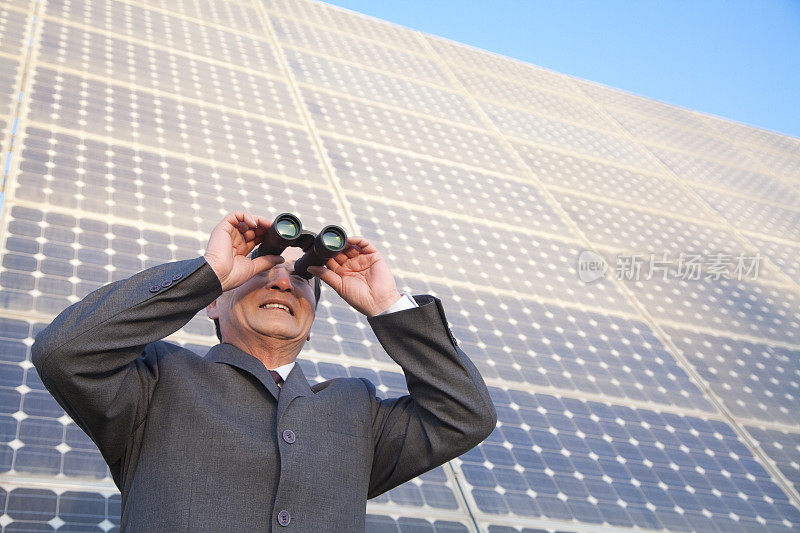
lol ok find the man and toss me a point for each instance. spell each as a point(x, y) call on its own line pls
point(221, 443)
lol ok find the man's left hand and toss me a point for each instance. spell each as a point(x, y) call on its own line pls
point(361, 277)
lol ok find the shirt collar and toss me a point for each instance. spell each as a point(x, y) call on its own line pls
point(294, 380)
point(284, 370)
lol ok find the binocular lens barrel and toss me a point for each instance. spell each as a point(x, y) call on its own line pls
point(333, 239)
point(287, 228)
point(329, 242)
point(283, 232)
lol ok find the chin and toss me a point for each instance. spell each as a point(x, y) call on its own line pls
point(280, 333)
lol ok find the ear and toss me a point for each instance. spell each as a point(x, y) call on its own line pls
point(212, 310)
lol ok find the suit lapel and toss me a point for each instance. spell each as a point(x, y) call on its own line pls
point(231, 355)
point(295, 386)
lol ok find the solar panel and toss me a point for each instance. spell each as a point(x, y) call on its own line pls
point(755, 380)
point(624, 404)
point(704, 173)
point(783, 449)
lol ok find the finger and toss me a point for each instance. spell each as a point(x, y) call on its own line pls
point(338, 260)
point(250, 219)
point(352, 251)
point(262, 222)
point(244, 220)
point(331, 278)
point(263, 226)
point(265, 262)
point(234, 218)
point(253, 227)
point(363, 244)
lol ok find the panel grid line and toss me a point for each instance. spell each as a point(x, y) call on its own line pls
point(159, 47)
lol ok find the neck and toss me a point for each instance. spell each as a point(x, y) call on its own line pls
point(271, 352)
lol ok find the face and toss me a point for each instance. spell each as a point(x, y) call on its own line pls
point(277, 304)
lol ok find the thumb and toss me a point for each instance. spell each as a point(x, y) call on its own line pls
point(265, 262)
point(331, 278)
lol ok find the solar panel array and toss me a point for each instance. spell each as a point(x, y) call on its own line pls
point(129, 127)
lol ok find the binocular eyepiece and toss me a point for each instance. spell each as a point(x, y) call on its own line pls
point(286, 230)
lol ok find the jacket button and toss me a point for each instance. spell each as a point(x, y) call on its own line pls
point(288, 436)
point(166, 283)
point(177, 276)
point(155, 288)
point(284, 518)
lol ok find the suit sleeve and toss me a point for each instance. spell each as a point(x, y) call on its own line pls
point(92, 357)
point(448, 409)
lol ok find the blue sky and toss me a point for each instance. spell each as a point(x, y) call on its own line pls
point(738, 59)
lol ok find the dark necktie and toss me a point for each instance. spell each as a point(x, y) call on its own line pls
point(276, 377)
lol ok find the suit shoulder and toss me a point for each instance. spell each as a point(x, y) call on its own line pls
point(168, 353)
point(352, 385)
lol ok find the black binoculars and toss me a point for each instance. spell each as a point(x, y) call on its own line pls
point(287, 231)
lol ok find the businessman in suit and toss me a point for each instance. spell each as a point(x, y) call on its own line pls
point(238, 440)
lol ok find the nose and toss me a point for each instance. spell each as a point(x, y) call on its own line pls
point(280, 281)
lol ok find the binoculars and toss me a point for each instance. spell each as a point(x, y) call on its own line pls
point(287, 231)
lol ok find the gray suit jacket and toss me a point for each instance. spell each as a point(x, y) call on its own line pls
point(212, 444)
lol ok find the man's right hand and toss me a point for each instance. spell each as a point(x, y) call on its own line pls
point(231, 242)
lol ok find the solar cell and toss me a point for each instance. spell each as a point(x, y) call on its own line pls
point(347, 21)
point(149, 67)
point(755, 184)
point(81, 104)
point(694, 141)
point(345, 117)
point(785, 256)
point(44, 510)
point(361, 51)
point(785, 165)
point(238, 16)
point(165, 29)
point(503, 67)
point(389, 524)
point(576, 174)
point(610, 98)
point(535, 100)
point(750, 215)
point(744, 307)
point(615, 478)
point(783, 448)
point(14, 26)
point(363, 83)
point(521, 341)
point(552, 133)
point(544, 267)
point(363, 169)
point(755, 380)
point(635, 234)
point(747, 135)
point(9, 71)
point(110, 179)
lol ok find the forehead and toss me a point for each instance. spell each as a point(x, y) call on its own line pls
point(292, 254)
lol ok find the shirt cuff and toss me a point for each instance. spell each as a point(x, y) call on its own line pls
point(405, 302)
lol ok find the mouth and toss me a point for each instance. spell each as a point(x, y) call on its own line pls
point(276, 305)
